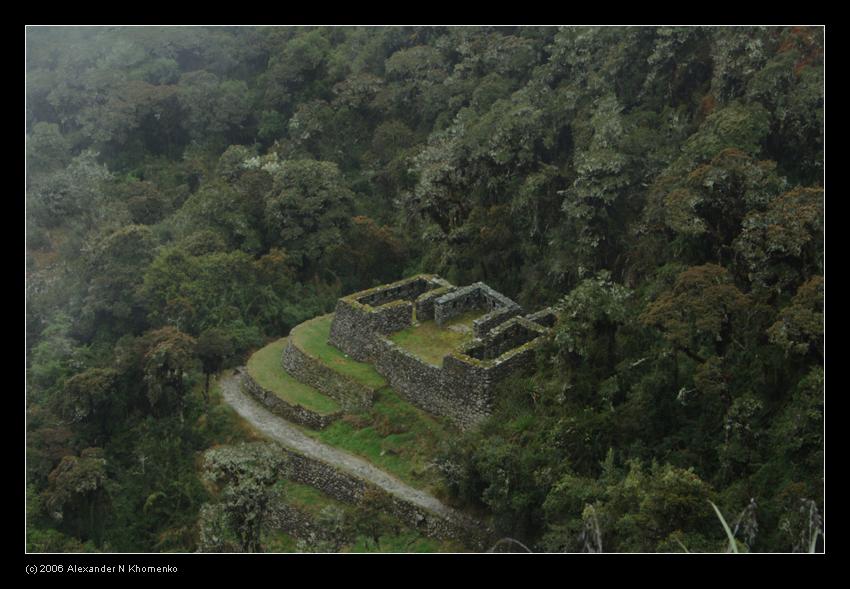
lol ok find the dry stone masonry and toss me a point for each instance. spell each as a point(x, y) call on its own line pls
point(311, 371)
point(289, 411)
point(342, 486)
point(462, 388)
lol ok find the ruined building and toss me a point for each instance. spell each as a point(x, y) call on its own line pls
point(502, 341)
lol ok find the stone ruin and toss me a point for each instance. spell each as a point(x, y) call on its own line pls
point(462, 389)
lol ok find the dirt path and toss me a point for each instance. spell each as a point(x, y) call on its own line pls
point(285, 433)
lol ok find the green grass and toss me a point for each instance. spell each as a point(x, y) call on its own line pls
point(278, 541)
point(394, 436)
point(307, 498)
point(431, 342)
point(265, 367)
point(397, 537)
point(312, 337)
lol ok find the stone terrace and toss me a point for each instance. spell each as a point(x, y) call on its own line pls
point(462, 387)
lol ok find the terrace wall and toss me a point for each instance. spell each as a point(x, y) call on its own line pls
point(351, 330)
point(296, 522)
point(449, 525)
point(462, 388)
point(313, 372)
point(289, 411)
point(412, 378)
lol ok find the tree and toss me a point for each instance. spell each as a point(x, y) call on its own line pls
point(193, 293)
point(603, 175)
point(52, 358)
point(221, 207)
point(307, 210)
point(92, 397)
point(790, 86)
point(47, 149)
point(167, 364)
point(115, 267)
point(76, 191)
point(214, 347)
point(414, 90)
point(708, 205)
point(371, 254)
point(77, 494)
point(796, 434)
point(586, 331)
point(215, 109)
point(799, 328)
point(634, 509)
point(145, 203)
point(698, 315)
point(440, 192)
point(374, 516)
point(783, 245)
point(247, 474)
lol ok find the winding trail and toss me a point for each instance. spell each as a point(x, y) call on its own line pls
point(285, 433)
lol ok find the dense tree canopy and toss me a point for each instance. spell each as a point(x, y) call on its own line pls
point(195, 191)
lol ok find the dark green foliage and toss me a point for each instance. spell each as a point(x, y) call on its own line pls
point(307, 210)
point(194, 192)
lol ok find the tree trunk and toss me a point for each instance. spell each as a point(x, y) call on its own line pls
point(207, 394)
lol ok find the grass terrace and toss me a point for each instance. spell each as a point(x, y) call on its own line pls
point(431, 342)
point(312, 337)
point(276, 541)
point(393, 435)
point(394, 537)
point(307, 498)
point(265, 367)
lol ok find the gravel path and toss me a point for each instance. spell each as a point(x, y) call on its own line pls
point(285, 433)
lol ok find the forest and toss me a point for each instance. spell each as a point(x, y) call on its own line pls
point(193, 193)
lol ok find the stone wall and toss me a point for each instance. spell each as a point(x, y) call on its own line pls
point(470, 388)
point(483, 325)
point(289, 411)
point(403, 290)
point(296, 522)
point(346, 487)
point(311, 371)
point(386, 309)
point(462, 389)
point(511, 334)
point(391, 317)
point(425, 302)
point(511, 362)
point(469, 298)
point(412, 378)
point(546, 317)
point(350, 330)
